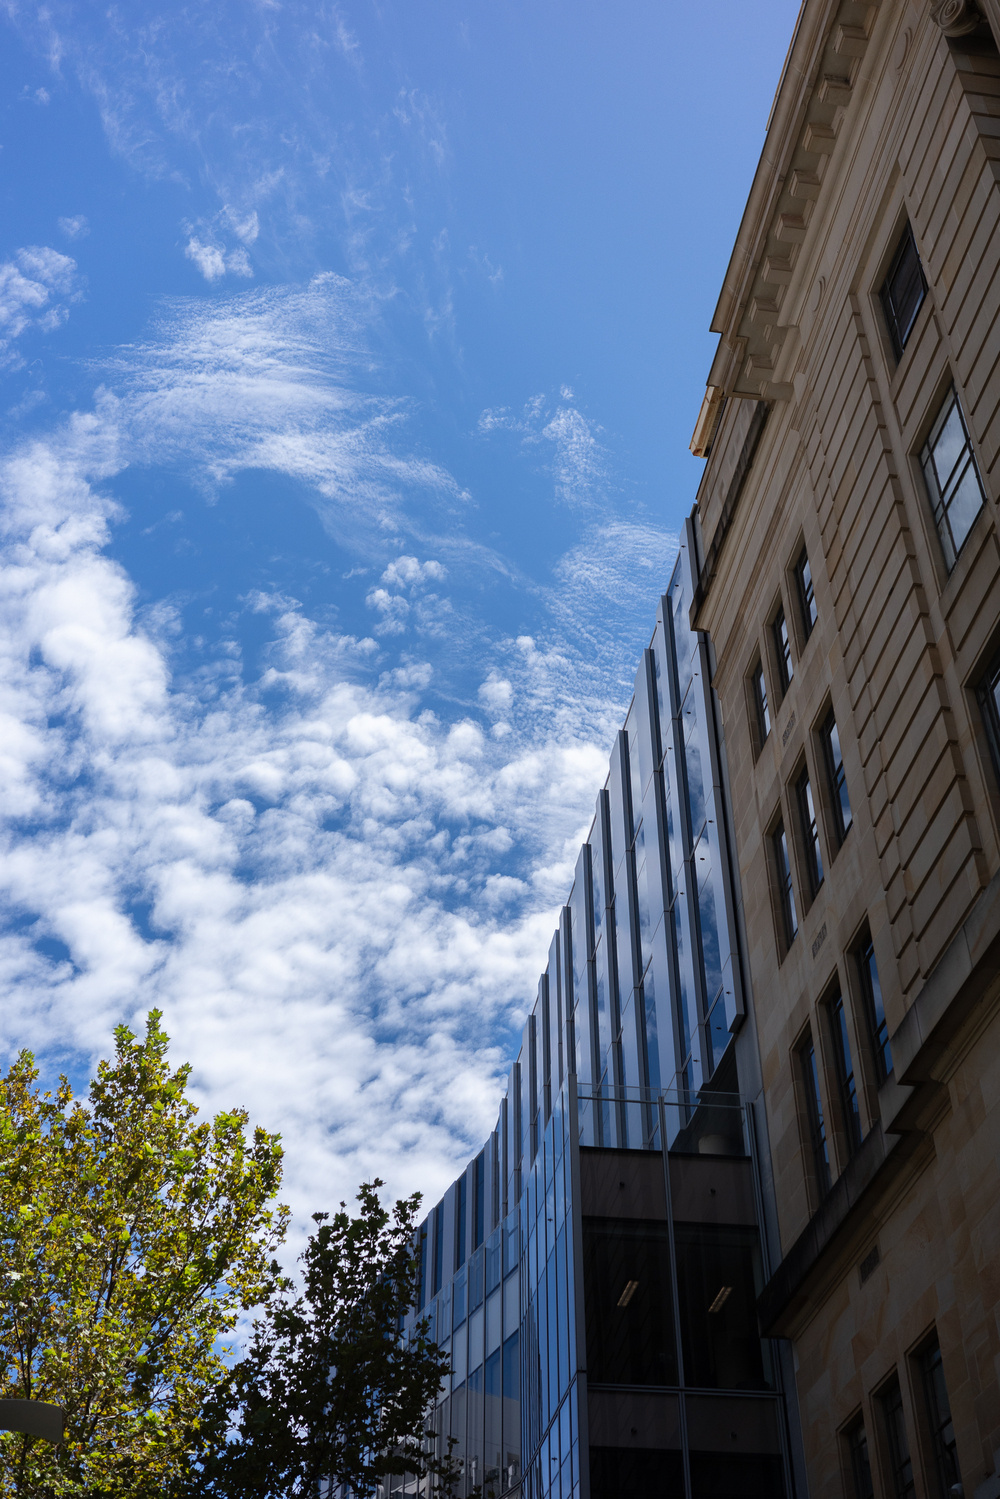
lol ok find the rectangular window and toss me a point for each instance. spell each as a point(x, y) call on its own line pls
point(478, 1200)
point(941, 1431)
point(786, 892)
point(858, 1462)
point(897, 1443)
point(807, 598)
point(630, 1322)
point(810, 831)
point(762, 714)
point(814, 1116)
point(840, 802)
point(783, 650)
point(461, 1204)
point(952, 477)
point(903, 291)
point(871, 989)
point(438, 1271)
point(989, 702)
point(846, 1085)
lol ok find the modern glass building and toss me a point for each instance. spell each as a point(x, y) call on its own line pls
point(594, 1271)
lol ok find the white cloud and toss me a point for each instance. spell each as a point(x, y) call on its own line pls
point(339, 891)
point(29, 285)
point(209, 259)
point(75, 227)
point(246, 227)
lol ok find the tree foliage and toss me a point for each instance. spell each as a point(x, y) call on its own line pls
point(328, 1389)
point(132, 1238)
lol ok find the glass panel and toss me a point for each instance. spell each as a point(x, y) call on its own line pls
point(492, 1444)
point(783, 648)
point(810, 831)
point(718, 1280)
point(860, 1465)
point(807, 598)
point(814, 1112)
point(760, 704)
point(903, 292)
point(877, 1026)
point(839, 799)
point(630, 1334)
point(845, 1073)
point(942, 1430)
point(952, 477)
point(786, 892)
point(897, 1443)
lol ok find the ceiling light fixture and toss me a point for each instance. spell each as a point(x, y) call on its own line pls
point(628, 1293)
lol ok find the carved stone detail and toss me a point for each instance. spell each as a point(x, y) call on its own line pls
point(957, 17)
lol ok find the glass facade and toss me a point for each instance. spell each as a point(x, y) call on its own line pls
point(601, 1317)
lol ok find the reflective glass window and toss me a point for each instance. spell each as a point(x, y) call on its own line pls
point(762, 713)
point(952, 477)
point(783, 650)
point(786, 892)
point(941, 1430)
point(859, 1463)
point(810, 831)
point(807, 597)
point(814, 1115)
point(900, 1464)
point(834, 761)
point(871, 990)
point(846, 1085)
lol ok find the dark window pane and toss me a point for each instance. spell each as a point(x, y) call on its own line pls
point(814, 1114)
point(878, 1029)
point(732, 1475)
point(717, 1288)
point(942, 1431)
point(903, 292)
point(630, 1333)
point(839, 799)
point(860, 1464)
point(897, 1443)
point(845, 1073)
point(645, 1471)
point(810, 831)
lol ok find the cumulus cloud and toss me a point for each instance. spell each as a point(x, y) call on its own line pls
point(30, 285)
point(214, 263)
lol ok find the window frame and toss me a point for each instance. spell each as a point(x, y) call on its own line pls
point(898, 339)
point(880, 1049)
point(838, 1022)
point(834, 786)
point(781, 644)
point(805, 593)
point(784, 886)
point(939, 506)
point(808, 819)
point(943, 1464)
point(850, 1449)
point(807, 1062)
point(760, 715)
point(895, 1462)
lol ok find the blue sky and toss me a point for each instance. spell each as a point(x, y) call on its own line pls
point(348, 361)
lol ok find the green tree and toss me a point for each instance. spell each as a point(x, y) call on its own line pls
point(328, 1389)
point(132, 1238)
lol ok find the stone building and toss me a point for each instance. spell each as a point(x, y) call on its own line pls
point(849, 582)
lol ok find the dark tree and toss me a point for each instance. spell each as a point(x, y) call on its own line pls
point(329, 1392)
